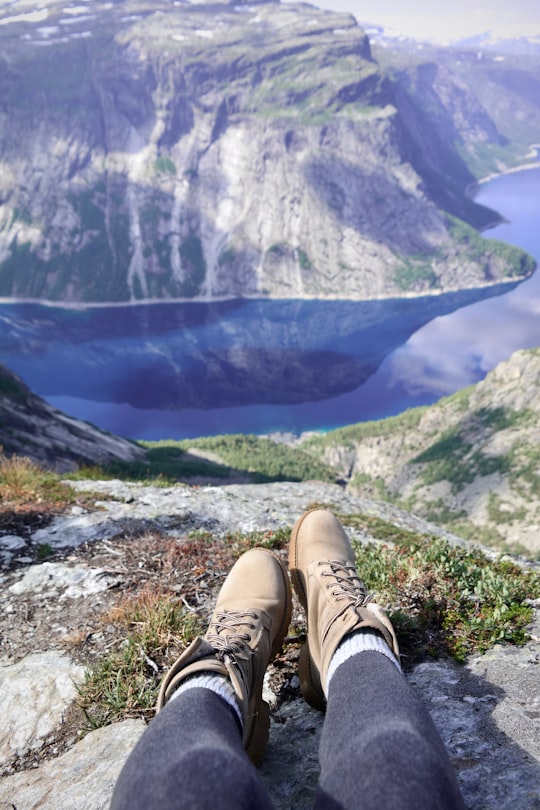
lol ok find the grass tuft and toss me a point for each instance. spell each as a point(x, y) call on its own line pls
point(24, 482)
point(125, 683)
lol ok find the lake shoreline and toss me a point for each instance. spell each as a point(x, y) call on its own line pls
point(148, 302)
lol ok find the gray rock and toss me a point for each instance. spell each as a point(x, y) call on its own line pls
point(50, 579)
point(497, 419)
point(12, 542)
point(81, 779)
point(239, 507)
point(488, 714)
point(33, 428)
point(34, 694)
point(291, 766)
point(248, 199)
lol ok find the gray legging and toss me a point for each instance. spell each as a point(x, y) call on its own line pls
point(379, 749)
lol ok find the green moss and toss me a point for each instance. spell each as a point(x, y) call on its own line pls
point(348, 436)
point(364, 482)
point(447, 599)
point(415, 275)
point(505, 418)
point(164, 165)
point(194, 263)
point(523, 463)
point(304, 260)
point(261, 458)
point(498, 511)
point(439, 513)
point(460, 399)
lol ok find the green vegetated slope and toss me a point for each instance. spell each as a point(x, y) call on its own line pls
point(157, 152)
point(218, 460)
point(470, 463)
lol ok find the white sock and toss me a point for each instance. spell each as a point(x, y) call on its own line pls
point(218, 684)
point(361, 641)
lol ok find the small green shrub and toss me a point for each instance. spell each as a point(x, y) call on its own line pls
point(43, 550)
point(445, 599)
point(414, 275)
point(303, 260)
point(164, 165)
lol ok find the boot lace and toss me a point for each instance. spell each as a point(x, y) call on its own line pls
point(225, 633)
point(345, 585)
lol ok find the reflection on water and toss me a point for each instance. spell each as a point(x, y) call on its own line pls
point(454, 351)
point(175, 370)
point(211, 356)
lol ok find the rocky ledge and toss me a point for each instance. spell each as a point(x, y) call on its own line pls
point(487, 711)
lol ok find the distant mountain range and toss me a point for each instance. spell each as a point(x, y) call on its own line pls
point(498, 43)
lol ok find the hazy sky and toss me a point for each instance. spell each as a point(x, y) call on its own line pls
point(425, 19)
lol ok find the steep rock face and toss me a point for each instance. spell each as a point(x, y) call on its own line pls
point(192, 151)
point(470, 462)
point(442, 113)
point(30, 427)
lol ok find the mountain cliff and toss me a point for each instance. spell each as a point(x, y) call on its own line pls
point(185, 150)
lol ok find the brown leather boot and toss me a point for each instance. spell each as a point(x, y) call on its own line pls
point(324, 576)
point(246, 631)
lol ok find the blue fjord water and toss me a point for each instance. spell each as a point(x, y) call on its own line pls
point(180, 370)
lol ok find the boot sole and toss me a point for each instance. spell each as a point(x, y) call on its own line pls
point(256, 745)
point(310, 683)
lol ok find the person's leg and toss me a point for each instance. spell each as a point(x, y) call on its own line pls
point(210, 706)
point(379, 747)
point(379, 742)
point(191, 756)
